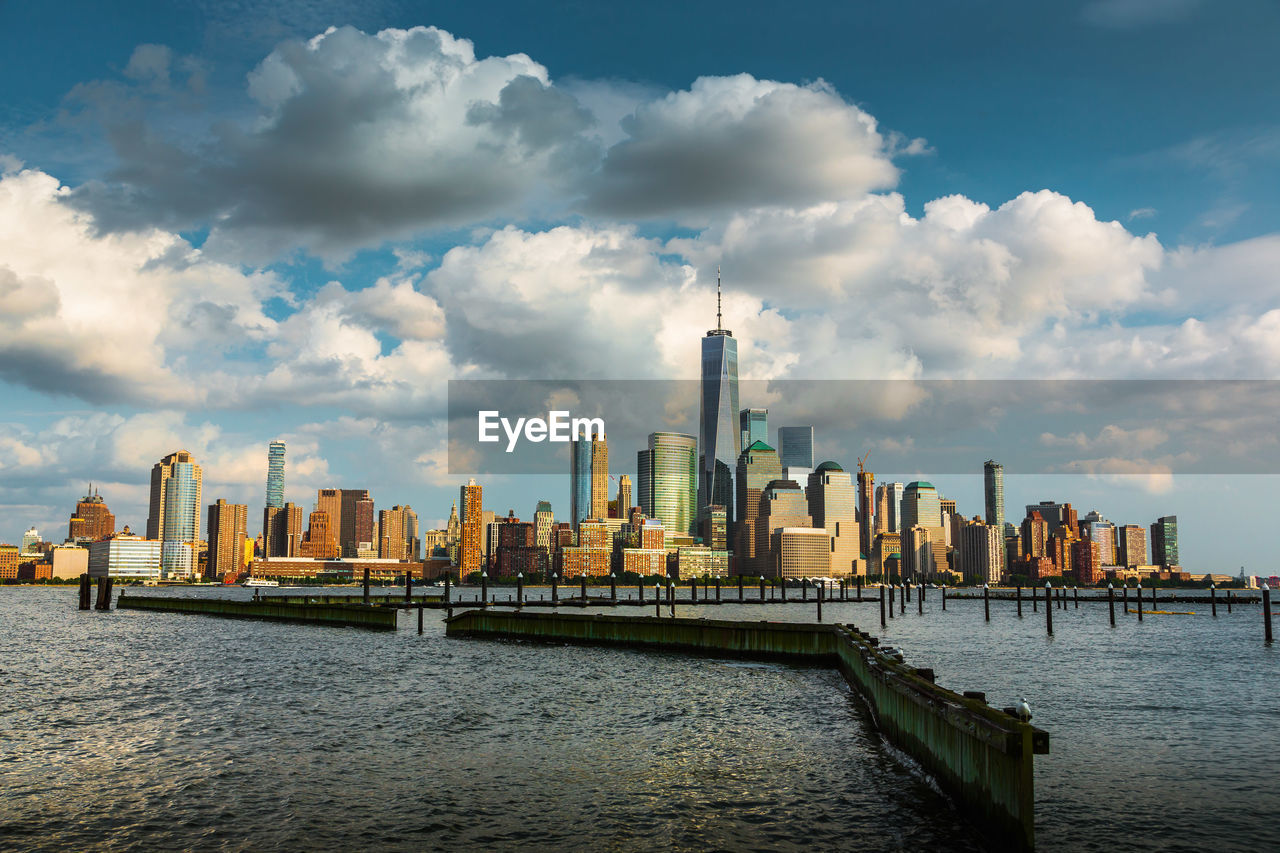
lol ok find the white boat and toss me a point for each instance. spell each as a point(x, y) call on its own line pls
point(260, 582)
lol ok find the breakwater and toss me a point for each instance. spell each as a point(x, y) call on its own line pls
point(348, 615)
point(981, 756)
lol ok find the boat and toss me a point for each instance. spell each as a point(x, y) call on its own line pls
point(260, 582)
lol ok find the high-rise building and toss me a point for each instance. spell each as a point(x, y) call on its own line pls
point(542, 521)
point(125, 556)
point(896, 492)
point(715, 527)
point(624, 496)
point(1035, 535)
point(31, 541)
point(275, 474)
point(600, 477)
point(719, 436)
point(1086, 559)
point(1097, 529)
point(993, 491)
point(320, 542)
point(227, 529)
point(282, 531)
point(1164, 541)
point(1133, 545)
point(831, 499)
point(866, 505)
point(667, 480)
point(753, 426)
point(920, 506)
point(174, 512)
point(358, 518)
point(1055, 514)
point(470, 501)
point(795, 446)
point(980, 552)
point(883, 496)
point(758, 466)
point(92, 520)
point(580, 480)
point(782, 504)
point(398, 534)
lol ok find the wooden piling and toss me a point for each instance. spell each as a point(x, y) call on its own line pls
point(1154, 606)
point(582, 582)
point(555, 588)
point(906, 591)
point(740, 587)
point(1111, 603)
point(1019, 597)
point(84, 591)
point(447, 588)
point(1048, 608)
point(1213, 598)
point(657, 598)
point(892, 590)
point(484, 589)
point(519, 589)
point(408, 586)
point(717, 590)
point(1035, 599)
point(693, 591)
point(1230, 595)
point(762, 589)
point(859, 587)
point(1126, 598)
point(1139, 602)
point(366, 584)
point(820, 603)
point(944, 596)
point(920, 601)
point(986, 601)
point(1075, 591)
point(882, 622)
point(613, 587)
point(902, 599)
point(784, 588)
point(1266, 612)
point(421, 610)
point(640, 589)
point(804, 589)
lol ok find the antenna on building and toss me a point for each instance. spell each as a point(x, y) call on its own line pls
point(719, 322)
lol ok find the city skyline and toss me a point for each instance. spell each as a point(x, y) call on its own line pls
point(895, 239)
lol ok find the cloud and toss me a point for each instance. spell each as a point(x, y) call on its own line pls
point(1131, 14)
point(735, 142)
point(359, 139)
point(1141, 213)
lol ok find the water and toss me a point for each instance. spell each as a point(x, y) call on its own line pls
point(129, 730)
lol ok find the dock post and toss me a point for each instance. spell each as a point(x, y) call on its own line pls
point(820, 588)
point(1213, 598)
point(613, 587)
point(1229, 597)
point(920, 600)
point(555, 589)
point(1111, 603)
point(640, 589)
point(784, 589)
point(1139, 602)
point(739, 587)
point(1035, 605)
point(657, 598)
point(693, 591)
point(84, 591)
point(408, 586)
point(1075, 591)
point(882, 622)
point(1153, 595)
point(1126, 598)
point(420, 610)
point(762, 589)
point(582, 582)
point(906, 591)
point(717, 590)
point(986, 601)
point(671, 597)
point(844, 587)
point(366, 584)
point(1266, 612)
point(944, 596)
point(484, 589)
point(859, 581)
point(1018, 593)
point(1048, 608)
point(804, 589)
point(924, 590)
point(904, 598)
point(519, 589)
point(892, 588)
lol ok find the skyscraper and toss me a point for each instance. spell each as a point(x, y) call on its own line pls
point(600, 477)
point(275, 474)
point(831, 497)
point(718, 435)
point(920, 507)
point(795, 445)
point(398, 534)
point(1133, 545)
point(1164, 541)
point(542, 521)
point(356, 527)
point(896, 491)
point(667, 476)
point(753, 424)
point(226, 528)
point(624, 496)
point(993, 491)
point(174, 512)
point(782, 505)
point(758, 466)
point(92, 520)
point(282, 531)
point(470, 501)
point(329, 501)
point(579, 481)
point(866, 506)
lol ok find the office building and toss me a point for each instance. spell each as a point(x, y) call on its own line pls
point(795, 446)
point(470, 515)
point(718, 431)
point(920, 507)
point(320, 542)
point(275, 474)
point(1086, 559)
point(227, 530)
point(542, 521)
point(582, 453)
point(31, 541)
point(866, 506)
point(993, 492)
point(667, 480)
point(896, 492)
point(803, 552)
point(753, 426)
point(782, 504)
point(980, 552)
point(9, 562)
point(831, 498)
point(282, 531)
point(623, 502)
point(1055, 514)
point(1097, 529)
point(398, 534)
point(126, 557)
point(1164, 541)
point(174, 512)
point(1133, 546)
point(600, 477)
point(715, 527)
point(758, 466)
point(1035, 535)
point(92, 520)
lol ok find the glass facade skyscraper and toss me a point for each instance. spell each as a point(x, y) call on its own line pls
point(174, 515)
point(993, 490)
point(920, 506)
point(1164, 541)
point(579, 481)
point(275, 474)
point(795, 445)
point(666, 480)
point(753, 424)
point(720, 438)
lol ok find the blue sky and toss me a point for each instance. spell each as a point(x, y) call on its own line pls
point(289, 235)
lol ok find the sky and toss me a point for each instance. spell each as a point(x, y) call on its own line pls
point(224, 223)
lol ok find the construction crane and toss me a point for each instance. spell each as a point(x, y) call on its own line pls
point(861, 469)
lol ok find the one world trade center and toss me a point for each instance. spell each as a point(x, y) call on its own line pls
point(718, 437)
